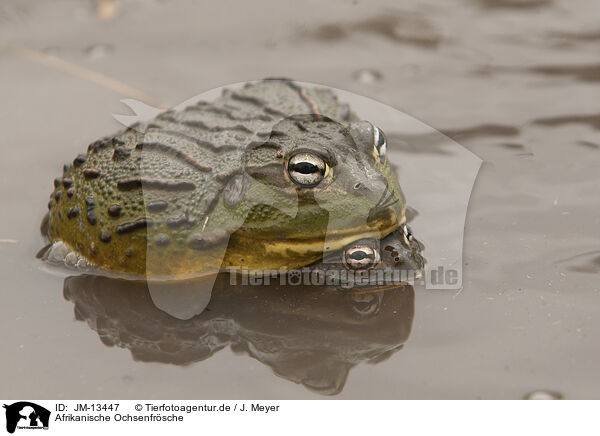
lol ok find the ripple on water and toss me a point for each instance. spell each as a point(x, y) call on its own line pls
point(367, 76)
point(588, 263)
point(514, 4)
point(402, 27)
point(98, 51)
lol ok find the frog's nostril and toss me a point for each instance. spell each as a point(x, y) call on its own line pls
point(360, 188)
point(370, 186)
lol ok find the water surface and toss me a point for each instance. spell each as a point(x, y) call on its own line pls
point(516, 82)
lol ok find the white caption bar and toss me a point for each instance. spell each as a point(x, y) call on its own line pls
point(23, 417)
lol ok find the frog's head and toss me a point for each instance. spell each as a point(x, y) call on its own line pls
point(338, 175)
point(394, 259)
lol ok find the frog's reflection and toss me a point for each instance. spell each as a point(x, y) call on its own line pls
point(309, 335)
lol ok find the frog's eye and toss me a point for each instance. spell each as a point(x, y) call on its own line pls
point(360, 257)
point(407, 235)
point(380, 143)
point(307, 169)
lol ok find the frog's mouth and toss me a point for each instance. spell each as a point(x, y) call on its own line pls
point(386, 211)
point(378, 226)
point(302, 249)
point(388, 199)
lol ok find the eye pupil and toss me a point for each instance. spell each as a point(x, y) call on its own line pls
point(408, 237)
point(305, 168)
point(360, 257)
point(380, 138)
point(380, 143)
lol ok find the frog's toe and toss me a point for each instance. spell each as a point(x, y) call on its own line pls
point(58, 253)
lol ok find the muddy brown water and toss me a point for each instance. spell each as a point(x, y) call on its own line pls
point(515, 82)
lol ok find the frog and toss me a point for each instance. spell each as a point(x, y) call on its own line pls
point(372, 264)
point(269, 175)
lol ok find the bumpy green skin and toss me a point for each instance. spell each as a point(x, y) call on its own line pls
point(206, 187)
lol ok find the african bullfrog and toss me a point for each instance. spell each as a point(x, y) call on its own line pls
point(372, 263)
point(266, 176)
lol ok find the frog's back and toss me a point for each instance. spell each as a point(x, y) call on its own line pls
point(182, 160)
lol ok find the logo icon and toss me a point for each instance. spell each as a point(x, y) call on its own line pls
point(26, 415)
